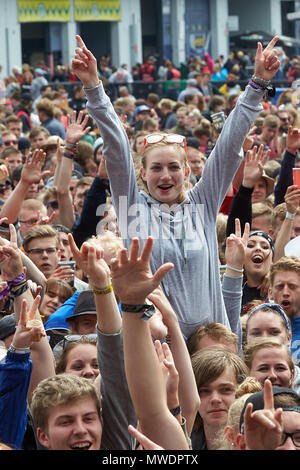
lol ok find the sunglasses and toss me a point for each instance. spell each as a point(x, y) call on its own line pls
point(169, 138)
point(52, 204)
point(75, 338)
point(10, 142)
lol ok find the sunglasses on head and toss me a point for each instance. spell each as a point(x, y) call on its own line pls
point(75, 338)
point(169, 138)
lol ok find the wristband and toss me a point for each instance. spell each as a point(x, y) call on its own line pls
point(176, 411)
point(234, 269)
point(147, 309)
point(72, 146)
point(13, 349)
point(289, 215)
point(69, 155)
point(107, 290)
point(260, 81)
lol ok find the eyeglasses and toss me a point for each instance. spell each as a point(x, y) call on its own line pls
point(295, 436)
point(40, 251)
point(74, 338)
point(10, 142)
point(52, 204)
point(169, 138)
point(284, 119)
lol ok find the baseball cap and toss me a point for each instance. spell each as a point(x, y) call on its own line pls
point(141, 108)
point(257, 400)
point(85, 305)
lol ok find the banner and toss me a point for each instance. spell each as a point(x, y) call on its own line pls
point(97, 10)
point(48, 10)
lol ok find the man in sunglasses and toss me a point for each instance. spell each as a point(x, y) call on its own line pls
point(284, 122)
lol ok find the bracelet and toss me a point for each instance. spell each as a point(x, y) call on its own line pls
point(176, 411)
point(147, 309)
point(289, 215)
point(17, 280)
point(235, 269)
point(13, 349)
point(256, 85)
point(23, 288)
point(107, 290)
point(69, 145)
point(260, 81)
point(69, 155)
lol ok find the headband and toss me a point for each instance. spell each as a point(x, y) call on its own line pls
point(260, 233)
point(275, 307)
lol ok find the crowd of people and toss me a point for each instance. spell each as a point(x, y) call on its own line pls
point(150, 262)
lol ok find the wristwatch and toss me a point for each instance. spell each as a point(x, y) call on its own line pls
point(147, 309)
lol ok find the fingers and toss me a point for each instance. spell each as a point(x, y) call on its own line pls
point(268, 395)
point(13, 234)
point(147, 250)
point(34, 307)
point(80, 41)
point(73, 246)
point(161, 272)
point(272, 43)
point(237, 227)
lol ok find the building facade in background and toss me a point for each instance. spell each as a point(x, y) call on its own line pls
point(32, 31)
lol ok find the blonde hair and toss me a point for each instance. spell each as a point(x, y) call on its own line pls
point(108, 240)
point(59, 390)
point(40, 231)
point(285, 263)
point(177, 148)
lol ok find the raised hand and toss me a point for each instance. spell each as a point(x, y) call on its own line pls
point(292, 199)
point(91, 260)
point(24, 336)
point(10, 258)
point(131, 276)
point(266, 61)
point(263, 428)
point(84, 65)
point(170, 373)
point(158, 298)
point(32, 169)
point(76, 129)
point(254, 165)
point(146, 443)
point(236, 245)
point(293, 140)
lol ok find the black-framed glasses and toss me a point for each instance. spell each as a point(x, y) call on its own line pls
point(295, 436)
point(285, 119)
point(7, 143)
point(74, 338)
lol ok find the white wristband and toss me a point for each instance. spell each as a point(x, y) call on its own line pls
point(13, 349)
point(288, 215)
point(235, 269)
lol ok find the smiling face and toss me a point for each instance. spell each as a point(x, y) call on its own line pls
point(258, 256)
point(75, 426)
point(272, 364)
point(216, 398)
point(165, 173)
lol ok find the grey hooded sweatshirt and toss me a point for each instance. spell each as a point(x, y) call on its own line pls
point(184, 234)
